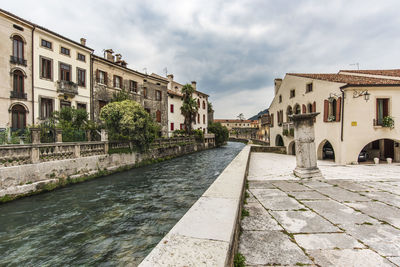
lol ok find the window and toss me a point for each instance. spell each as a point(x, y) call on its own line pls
point(18, 82)
point(133, 86)
point(46, 68)
point(147, 110)
point(198, 103)
point(172, 108)
point(280, 98)
point(181, 126)
point(198, 118)
point(292, 93)
point(46, 44)
point(81, 77)
point(309, 108)
point(158, 116)
point(64, 104)
point(46, 108)
point(18, 117)
point(204, 119)
point(289, 111)
point(172, 126)
point(101, 77)
point(117, 82)
point(81, 57)
point(102, 103)
point(309, 87)
point(65, 51)
point(382, 110)
point(204, 105)
point(18, 47)
point(158, 95)
point(81, 106)
point(65, 72)
point(332, 109)
point(144, 92)
point(297, 109)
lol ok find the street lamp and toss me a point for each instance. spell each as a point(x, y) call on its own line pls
point(364, 93)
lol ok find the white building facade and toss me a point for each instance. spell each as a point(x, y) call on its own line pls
point(353, 107)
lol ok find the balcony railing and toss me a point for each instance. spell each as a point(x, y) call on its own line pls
point(67, 87)
point(18, 95)
point(288, 129)
point(17, 60)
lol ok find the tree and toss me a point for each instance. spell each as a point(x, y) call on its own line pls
point(127, 120)
point(240, 116)
point(72, 122)
point(221, 133)
point(189, 107)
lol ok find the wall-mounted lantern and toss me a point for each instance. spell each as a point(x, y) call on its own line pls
point(364, 93)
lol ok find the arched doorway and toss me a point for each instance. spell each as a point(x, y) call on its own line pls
point(279, 140)
point(18, 118)
point(382, 149)
point(326, 151)
point(297, 109)
point(292, 148)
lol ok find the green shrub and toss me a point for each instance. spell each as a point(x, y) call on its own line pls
point(221, 133)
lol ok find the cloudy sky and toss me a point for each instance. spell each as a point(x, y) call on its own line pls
point(233, 49)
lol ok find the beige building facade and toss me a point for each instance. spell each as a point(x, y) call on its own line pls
point(353, 107)
point(61, 73)
point(111, 75)
point(16, 88)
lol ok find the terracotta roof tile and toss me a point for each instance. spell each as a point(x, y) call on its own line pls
point(347, 79)
point(393, 72)
point(171, 92)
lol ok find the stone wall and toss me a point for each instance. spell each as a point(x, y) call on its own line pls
point(29, 178)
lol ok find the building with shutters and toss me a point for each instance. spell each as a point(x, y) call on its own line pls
point(244, 129)
point(111, 75)
point(355, 108)
point(175, 118)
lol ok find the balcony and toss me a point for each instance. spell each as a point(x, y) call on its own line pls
point(67, 88)
point(17, 60)
point(18, 95)
point(288, 129)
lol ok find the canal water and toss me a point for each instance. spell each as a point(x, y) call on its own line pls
point(110, 221)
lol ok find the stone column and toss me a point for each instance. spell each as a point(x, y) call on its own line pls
point(104, 138)
point(88, 135)
point(35, 135)
point(58, 135)
point(35, 153)
point(306, 156)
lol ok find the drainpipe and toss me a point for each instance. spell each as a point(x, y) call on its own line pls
point(91, 87)
point(341, 127)
point(33, 84)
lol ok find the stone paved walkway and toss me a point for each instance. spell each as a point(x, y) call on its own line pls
point(351, 221)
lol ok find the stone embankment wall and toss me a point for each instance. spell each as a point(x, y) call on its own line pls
point(64, 163)
point(207, 234)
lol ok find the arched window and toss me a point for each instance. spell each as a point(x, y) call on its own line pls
point(297, 109)
point(309, 108)
point(289, 111)
point(18, 84)
point(204, 104)
point(204, 119)
point(198, 118)
point(18, 47)
point(198, 103)
point(158, 116)
point(18, 117)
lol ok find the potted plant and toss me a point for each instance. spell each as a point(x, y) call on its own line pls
point(388, 121)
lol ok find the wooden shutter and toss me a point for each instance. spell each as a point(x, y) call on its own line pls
point(314, 107)
point(272, 120)
point(114, 81)
point(304, 108)
point(97, 75)
point(105, 78)
point(326, 110)
point(385, 107)
point(338, 108)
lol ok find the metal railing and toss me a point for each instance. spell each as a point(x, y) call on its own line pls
point(67, 87)
point(18, 60)
point(17, 94)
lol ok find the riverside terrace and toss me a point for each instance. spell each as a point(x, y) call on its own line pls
point(351, 217)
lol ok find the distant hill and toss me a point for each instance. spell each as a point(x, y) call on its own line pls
point(255, 117)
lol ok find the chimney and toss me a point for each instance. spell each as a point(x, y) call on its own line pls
point(118, 58)
point(278, 83)
point(83, 41)
point(170, 77)
point(194, 85)
point(108, 54)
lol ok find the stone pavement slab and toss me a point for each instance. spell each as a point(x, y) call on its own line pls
point(385, 197)
point(261, 184)
point(327, 241)
point(316, 184)
point(281, 203)
point(337, 213)
point(380, 211)
point(270, 248)
point(290, 186)
point(395, 260)
point(307, 195)
point(259, 219)
point(382, 238)
point(267, 193)
point(303, 222)
point(341, 195)
point(349, 258)
point(250, 198)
